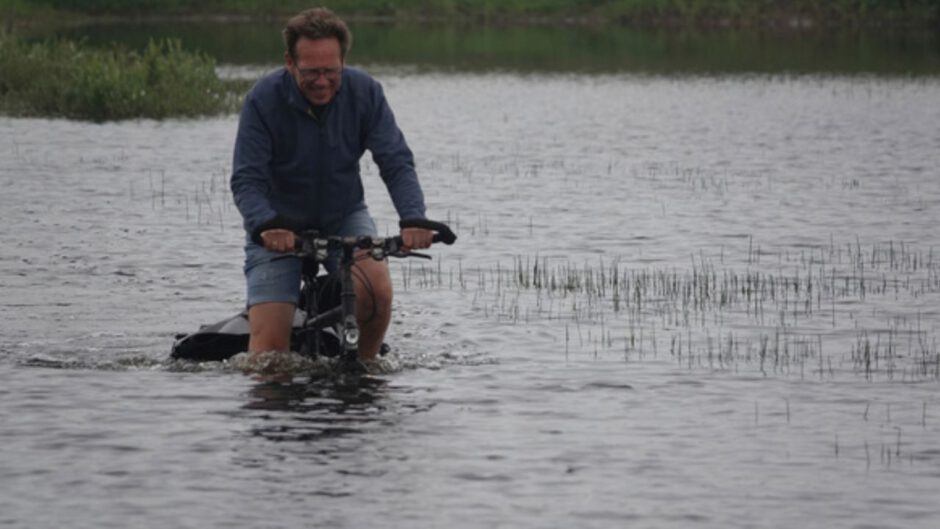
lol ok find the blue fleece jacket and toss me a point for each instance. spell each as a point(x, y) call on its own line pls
point(293, 170)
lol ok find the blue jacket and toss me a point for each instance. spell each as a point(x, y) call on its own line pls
point(290, 165)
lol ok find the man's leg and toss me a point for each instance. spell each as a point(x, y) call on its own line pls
point(270, 325)
point(373, 286)
point(273, 285)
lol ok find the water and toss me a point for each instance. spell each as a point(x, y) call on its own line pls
point(508, 401)
point(590, 49)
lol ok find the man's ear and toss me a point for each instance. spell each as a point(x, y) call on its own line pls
point(288, 60)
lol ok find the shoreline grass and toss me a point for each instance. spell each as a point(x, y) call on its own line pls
point(61, 78)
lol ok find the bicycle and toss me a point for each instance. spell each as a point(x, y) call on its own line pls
point(325, 323)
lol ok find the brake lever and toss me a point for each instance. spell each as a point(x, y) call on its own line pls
point(403, 253)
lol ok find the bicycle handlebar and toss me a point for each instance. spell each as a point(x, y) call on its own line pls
point(442, 232)
point(308, 242)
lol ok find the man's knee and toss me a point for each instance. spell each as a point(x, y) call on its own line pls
point(270, 325)
point(383, 297)
point(375, 289)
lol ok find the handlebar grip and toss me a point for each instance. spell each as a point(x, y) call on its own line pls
point(442, 231)
point(303, 235)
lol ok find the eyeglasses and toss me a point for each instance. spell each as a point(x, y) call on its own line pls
point(312, 74)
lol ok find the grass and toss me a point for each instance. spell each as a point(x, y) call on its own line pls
point(802, 314)
point(63, 78)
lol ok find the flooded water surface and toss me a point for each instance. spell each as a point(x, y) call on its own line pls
point(696, 300)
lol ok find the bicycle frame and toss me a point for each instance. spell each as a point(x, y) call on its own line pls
point(314, 251)
point(342, 317)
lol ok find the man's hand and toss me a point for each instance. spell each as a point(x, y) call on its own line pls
point(416, 238)
point(278, 240)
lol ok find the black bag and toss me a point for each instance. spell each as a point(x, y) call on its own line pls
point(224, 339)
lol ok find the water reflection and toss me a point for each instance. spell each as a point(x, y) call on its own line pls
point(609, 49)
point(315, 409)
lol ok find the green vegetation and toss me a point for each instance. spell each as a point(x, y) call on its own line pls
point(643, 12)
point(548, 48)
point(69, 79)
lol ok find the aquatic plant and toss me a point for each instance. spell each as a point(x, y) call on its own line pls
point(69, 79)
point(802, 313)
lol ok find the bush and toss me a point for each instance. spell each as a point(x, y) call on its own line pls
point(69, 79)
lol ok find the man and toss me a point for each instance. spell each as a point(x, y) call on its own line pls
point(301, 134)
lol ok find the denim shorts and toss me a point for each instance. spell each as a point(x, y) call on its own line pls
point(274, 277)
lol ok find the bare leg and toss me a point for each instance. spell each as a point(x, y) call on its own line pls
point(373, 286)
point(270, 327)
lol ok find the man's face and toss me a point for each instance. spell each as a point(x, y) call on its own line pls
point(317, 68)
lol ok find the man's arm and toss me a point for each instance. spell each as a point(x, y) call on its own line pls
point(251, 173)
point(393, 157)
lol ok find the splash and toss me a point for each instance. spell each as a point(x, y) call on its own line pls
point(274, 362)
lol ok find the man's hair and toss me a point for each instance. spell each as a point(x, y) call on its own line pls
point(316, 23)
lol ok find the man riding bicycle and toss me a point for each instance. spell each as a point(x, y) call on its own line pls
point(301, 134)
